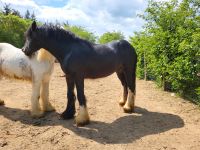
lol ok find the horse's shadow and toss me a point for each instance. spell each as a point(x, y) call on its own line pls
point(123, 130)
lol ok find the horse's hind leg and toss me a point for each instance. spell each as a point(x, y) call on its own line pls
point(122, 78)
point(70, 110)
point(44, 95)
point(131, 79)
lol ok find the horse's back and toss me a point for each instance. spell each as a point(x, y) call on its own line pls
point(122, 49)
point(125, 51)
point(13, 62)
point(10, 50)
point(6, 46)
point(121, 46)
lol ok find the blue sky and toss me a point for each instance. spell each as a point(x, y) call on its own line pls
point(98, 16)
point(51, 3)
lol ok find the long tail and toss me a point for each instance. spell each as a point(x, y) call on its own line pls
point(134, 67)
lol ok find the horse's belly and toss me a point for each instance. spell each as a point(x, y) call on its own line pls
point(95, 76)
point(99, 73)
point(103, 69)
point(16, 69)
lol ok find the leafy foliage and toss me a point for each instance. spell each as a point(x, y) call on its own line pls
point(12, 29)
point(110, 36)
point(171, 46)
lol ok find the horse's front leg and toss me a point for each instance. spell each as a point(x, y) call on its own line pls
point(70, 110)
point(35, 107)
point(44, 95)
point(82, 118)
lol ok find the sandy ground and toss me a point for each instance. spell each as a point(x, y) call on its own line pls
point(161, 121)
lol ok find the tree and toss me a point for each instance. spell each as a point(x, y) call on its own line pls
point(27, 15)
point(33, 16)
point(110, 36)
point(16, 13)
point(173, 56)
point(143, 45)
point(7, 9)
point(12, 29)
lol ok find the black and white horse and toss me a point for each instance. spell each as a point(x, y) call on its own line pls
point(80, 59)
point(14, 64)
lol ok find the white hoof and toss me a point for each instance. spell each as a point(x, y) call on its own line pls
point(128, 109)
point(82, 118)
point(130, 103)
point(122, 102)
point(48, 108)
point(37, 114)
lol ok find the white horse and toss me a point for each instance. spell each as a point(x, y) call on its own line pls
point(15, 64)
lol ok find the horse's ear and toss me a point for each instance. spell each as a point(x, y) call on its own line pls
point(34, 26)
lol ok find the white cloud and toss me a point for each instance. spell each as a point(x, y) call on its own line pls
point(98, 16)
point(25, 3)
point(22, 5)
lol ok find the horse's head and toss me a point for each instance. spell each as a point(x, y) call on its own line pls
point(32, 42)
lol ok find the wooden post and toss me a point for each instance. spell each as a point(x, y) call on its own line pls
point(145, 67)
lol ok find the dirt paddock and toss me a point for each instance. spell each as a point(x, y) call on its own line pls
point(161, 121)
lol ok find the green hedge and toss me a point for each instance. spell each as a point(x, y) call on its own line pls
point(12, 29)
point(169, 47)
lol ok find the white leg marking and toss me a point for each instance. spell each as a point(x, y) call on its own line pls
point(82, 118)
point(35, 107)
point(44, 93)
point(122, 100)
point(129, 106)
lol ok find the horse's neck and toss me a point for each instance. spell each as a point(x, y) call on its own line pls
point(58, 49)
point(44, 55)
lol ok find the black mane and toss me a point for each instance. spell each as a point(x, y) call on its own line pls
point(60, 34)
